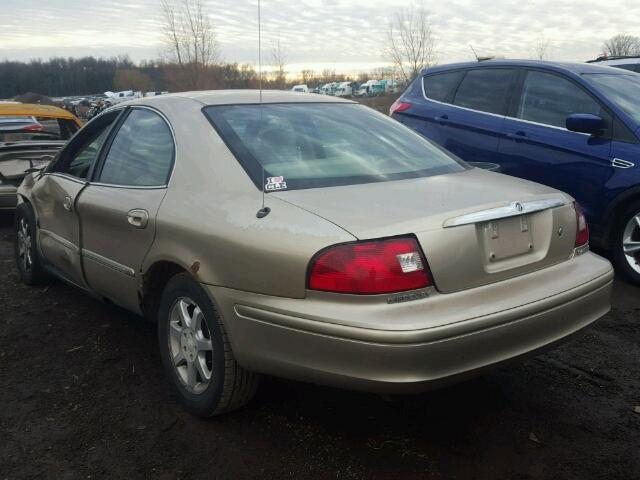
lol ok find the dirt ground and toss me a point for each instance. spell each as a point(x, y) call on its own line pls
point(83, 396)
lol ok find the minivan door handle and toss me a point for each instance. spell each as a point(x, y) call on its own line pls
point(442, 119)
point(518, 136)
point(138, 218)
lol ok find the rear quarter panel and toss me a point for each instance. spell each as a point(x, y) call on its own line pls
point(207, 221)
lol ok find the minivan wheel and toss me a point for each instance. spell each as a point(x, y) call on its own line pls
point(26, 254)
point(626, 243)
point(196, 353)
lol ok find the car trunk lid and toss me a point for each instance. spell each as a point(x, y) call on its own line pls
point(469, 224)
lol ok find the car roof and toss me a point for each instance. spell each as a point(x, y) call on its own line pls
point(35, 110)
point(572, 67)
point(233, 97)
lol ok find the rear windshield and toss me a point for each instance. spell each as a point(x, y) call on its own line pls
point(623, 90)
point(307, 145)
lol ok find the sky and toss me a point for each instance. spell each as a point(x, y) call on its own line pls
point(345, 35)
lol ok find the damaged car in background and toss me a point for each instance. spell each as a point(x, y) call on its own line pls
point(306, 237)
point(30, 137)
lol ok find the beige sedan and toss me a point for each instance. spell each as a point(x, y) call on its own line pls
point(306, 237)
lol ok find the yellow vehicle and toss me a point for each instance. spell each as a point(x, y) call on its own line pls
point(30, 136)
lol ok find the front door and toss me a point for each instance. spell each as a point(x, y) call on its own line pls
point(55, 200)
point(118, 208)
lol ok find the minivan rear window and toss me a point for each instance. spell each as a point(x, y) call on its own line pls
point(307, 145)
point(440, 86)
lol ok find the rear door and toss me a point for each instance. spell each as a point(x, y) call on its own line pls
point(118, 208)
point(430, 104)
point(55, 199)
point(537, 146)
point(474, 123)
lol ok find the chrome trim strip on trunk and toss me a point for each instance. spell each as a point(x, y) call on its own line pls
point(107, 262)
point(511, 210)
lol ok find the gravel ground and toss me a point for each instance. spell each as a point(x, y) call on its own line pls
point(83, 396)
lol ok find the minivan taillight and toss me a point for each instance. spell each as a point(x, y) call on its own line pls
point(399, 106)
point(582, 229)
point(370, 267)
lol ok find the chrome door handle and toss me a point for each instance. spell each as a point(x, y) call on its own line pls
point(67, 204)
point(138, 218)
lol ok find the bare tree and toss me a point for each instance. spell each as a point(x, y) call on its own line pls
point(622, 45)
point(279, 59)
point(410, 42)
point(541, 49)
point(189, 38)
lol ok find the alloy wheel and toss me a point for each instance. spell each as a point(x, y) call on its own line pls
point(24, 245)
point(190, 345)
point(631, 242)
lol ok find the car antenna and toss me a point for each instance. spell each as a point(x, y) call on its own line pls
point(264, 211)
point(474, 53)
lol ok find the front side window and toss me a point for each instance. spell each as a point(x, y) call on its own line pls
point(440, 86)
point(141, 153)
point(317, 144)
point(623, 90)
point(78, 159)
point(549, 99)
point(485, 89)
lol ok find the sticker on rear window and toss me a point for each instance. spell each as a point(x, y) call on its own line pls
point(275, 183)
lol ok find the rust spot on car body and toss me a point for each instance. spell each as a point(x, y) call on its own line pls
point(195, 267)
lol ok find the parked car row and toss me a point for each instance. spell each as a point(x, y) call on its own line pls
point(313, 238)
point(370, 88)
point(574, 127)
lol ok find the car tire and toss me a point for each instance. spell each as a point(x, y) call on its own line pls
point(188, 325)
point(626, 232)
point(26, 252)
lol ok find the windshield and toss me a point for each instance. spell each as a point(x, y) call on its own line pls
point(317, 144)
point(623, 90)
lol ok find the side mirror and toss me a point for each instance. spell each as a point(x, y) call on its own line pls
point(585, 123)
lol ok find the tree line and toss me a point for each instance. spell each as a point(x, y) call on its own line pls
point(191, 59)
point(60, 77)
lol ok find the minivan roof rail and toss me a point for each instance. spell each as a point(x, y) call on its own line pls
point(603, 58)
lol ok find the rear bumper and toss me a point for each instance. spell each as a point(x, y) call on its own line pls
point(318, 343)
point(8, 197)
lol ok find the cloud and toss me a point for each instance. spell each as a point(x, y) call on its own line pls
point(339, 33)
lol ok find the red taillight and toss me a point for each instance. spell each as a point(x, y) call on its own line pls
point(371, 267)
point(36, 127)
point(399, 106)
point(582, 229)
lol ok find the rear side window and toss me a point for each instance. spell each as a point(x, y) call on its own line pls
point(141, 154)
point(550, 99)
point(441, 86)
point(485, 90)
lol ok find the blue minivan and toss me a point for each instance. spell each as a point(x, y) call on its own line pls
point(575, 127)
